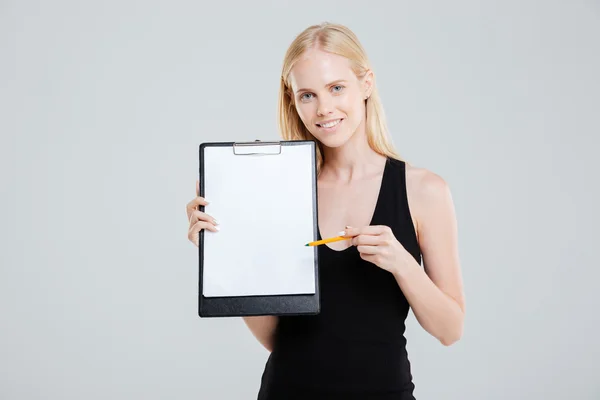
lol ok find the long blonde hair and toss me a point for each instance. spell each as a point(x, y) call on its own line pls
point(340, 40)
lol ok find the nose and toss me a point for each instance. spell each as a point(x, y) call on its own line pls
point(324, 107)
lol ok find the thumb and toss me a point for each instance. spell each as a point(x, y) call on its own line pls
point(350, 231)
point(197, 187)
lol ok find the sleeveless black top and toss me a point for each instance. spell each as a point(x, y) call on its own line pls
point(355, 347)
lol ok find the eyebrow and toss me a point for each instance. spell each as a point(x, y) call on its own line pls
point(329, 84)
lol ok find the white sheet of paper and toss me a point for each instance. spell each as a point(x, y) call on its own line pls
point(264, 207)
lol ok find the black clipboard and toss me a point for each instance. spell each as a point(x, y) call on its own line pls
point(258, 304)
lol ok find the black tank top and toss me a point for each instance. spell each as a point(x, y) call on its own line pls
point(355, 347)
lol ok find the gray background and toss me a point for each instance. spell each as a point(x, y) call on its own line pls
point(103, 106)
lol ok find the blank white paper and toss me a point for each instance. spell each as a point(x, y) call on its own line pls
point(264, 207)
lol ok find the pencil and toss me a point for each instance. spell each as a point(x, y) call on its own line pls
point(323, 241)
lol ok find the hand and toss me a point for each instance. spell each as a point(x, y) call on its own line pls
point(378, 245)
point(198, 219)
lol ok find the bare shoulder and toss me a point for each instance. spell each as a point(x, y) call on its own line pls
point(422, 183)
point(426, 191)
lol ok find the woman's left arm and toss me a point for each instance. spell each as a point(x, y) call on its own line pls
point(435, 292)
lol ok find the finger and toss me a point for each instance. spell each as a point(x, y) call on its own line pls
point(202, 216)
point(367, 230)
point(362, 239)
point(197, 187)
point(197, 227)
point(368, 250)
point(349, 232)
point(368, 257)
point(197, 201)
point(193, 205)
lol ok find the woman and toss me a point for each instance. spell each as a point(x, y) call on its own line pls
point(392, 214)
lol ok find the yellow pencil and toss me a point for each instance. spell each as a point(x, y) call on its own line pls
point(323, 241)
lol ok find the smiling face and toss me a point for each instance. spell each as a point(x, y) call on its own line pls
point(328, 97)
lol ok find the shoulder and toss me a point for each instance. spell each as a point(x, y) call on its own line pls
point(423, 184)
point(428, 193)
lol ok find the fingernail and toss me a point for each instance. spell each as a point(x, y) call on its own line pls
point(342, 233)
point(217, 228)
point(215, 222)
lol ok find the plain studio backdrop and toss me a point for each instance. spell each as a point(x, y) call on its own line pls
point(103, 106)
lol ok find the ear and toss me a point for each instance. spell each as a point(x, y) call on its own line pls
point(367, 84)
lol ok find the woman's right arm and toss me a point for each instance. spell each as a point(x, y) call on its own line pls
point(262, 327)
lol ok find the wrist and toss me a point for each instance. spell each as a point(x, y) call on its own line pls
point(404, 269)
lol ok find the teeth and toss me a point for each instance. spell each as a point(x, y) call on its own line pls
point(330, 124)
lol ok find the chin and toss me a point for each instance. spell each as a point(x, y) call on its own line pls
point(335, 139)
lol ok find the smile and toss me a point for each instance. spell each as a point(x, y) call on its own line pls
point(330, 124)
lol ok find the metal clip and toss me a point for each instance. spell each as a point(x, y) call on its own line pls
point(257, 148)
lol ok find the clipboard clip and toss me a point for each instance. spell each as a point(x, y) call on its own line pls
point(257, 147)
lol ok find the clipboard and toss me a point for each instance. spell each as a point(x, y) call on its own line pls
point(264, 198)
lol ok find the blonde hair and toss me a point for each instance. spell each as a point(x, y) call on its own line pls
point(340, 40)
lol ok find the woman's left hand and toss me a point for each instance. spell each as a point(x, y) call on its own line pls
point(378, 245)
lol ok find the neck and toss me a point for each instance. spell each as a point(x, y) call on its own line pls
point(354, 160)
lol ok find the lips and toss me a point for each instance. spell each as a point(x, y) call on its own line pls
point(329, 123)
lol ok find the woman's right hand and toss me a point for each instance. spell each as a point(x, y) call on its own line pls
point(199, 220)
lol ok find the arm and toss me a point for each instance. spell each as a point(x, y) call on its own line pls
point(435, 293)
point(263, 329)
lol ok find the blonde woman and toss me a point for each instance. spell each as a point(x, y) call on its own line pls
point(394, 216)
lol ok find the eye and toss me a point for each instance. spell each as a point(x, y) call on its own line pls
point(338, 87)
point(303, 96)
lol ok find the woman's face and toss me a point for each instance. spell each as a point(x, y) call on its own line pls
point(328, 97)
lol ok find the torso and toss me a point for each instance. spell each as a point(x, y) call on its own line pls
point(356, 343)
